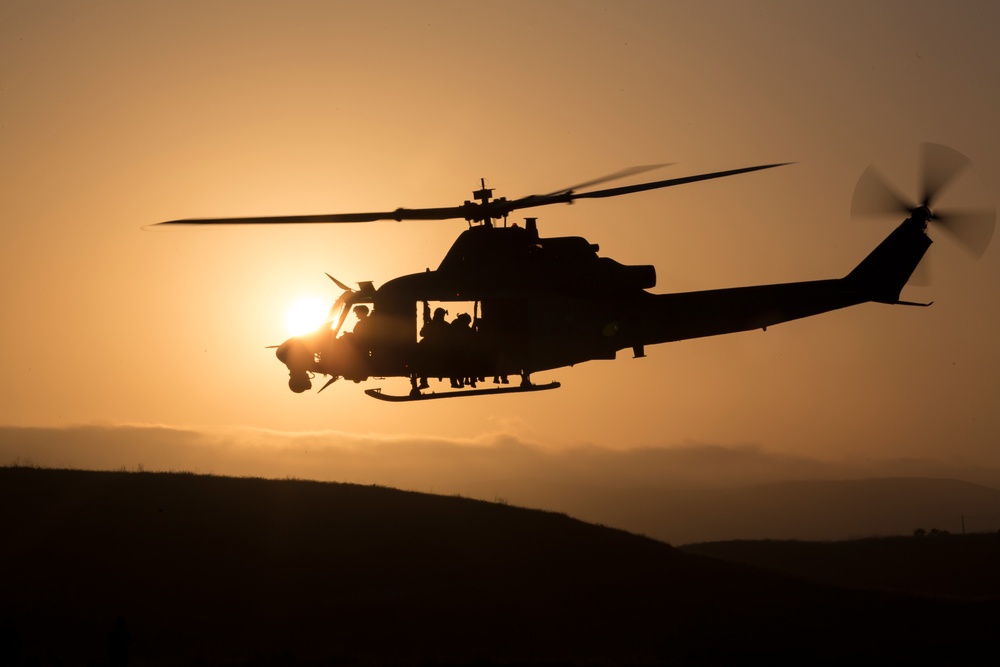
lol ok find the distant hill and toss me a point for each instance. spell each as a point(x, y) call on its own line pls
point(806, 510)
point(210, 570)
point(954, 566)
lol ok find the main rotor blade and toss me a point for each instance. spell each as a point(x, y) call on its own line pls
point(973, 229)
point(642, 187)
point(874, 196)
point(630, 171)
point(495, 209)
point(398, 215)
point(939, 167)
point(568, 197)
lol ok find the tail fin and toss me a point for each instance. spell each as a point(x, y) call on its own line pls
point(883, 273)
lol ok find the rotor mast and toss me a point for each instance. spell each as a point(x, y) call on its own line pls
point(485, 211)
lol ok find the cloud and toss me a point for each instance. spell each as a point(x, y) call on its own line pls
point(435, 464)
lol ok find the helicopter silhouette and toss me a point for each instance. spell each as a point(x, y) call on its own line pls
point(542, 303)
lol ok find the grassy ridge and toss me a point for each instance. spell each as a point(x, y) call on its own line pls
point(210, 570)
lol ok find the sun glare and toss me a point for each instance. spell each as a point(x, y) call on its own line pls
point(305, 315)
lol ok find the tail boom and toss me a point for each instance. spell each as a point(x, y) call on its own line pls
point(880, 278)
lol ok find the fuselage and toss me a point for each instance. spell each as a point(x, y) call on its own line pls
point(544, 303)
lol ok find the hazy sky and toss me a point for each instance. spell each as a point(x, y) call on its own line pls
point(116, 115)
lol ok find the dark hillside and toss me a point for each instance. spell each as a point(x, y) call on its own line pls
point(800, 510)
point(208, 570)
point(954, 566)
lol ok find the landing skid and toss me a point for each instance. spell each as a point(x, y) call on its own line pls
point(377, 393)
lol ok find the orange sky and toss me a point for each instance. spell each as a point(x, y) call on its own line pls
point(115, 115)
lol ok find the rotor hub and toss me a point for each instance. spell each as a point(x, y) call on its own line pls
point(922, 213)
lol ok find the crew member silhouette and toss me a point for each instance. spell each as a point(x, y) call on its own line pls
point(434, 335)
point(435, 328)
point(363, 328)
point(363, 335)
point(462, 337)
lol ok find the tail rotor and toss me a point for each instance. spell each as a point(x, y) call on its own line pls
point(941, 167)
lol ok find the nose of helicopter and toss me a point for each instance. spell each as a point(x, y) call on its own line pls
point(284, 350)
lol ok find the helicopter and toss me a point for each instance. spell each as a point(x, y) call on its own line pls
point(542, 303)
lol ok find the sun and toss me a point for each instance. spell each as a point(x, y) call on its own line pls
point(305, 315)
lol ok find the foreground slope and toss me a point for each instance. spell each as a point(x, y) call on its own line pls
point(208, 570)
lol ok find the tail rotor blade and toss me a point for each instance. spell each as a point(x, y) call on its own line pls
point(973, 229)
point(940, 165)
point(874, 196)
